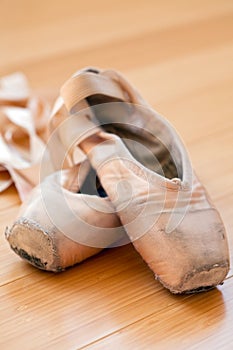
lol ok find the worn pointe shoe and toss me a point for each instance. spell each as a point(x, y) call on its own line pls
point(57, 227)
point(65, 220)
point(46, 233)
point(164, 208)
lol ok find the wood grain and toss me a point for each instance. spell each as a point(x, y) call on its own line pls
point(179, 54)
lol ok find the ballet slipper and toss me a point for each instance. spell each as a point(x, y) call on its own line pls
point(64, 220)
point(166, 213)
point(60, 226)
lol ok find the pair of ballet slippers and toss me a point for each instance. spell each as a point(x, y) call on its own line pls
point(120, 173)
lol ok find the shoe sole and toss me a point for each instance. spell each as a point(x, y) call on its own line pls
point(33, 244)
point(201, 280)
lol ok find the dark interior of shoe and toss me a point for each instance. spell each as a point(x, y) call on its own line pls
point(146, 148)
point(92, 185)
point(155, 156)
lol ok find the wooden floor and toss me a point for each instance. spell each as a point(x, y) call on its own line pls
point(180, 56)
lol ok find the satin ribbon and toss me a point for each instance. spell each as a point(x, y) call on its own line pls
point(23, 121)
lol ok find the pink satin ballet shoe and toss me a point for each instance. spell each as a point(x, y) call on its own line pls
point(57, 227)
point(66, 219)
point(164, 208)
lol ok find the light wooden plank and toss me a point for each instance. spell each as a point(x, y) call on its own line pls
point(147, 48)
point(49, 29)
point(83, 301)
point(198, 322)
point(9, 199)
